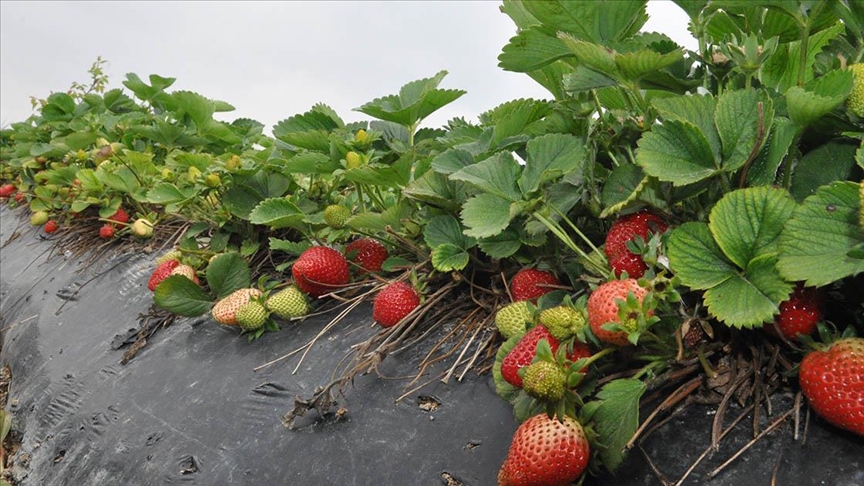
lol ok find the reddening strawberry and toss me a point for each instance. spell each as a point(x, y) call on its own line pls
point(393, 303)
point(546, 452)
point(19, 196)
point(320, 270)
point(119, 216)
point(51, 226)
point(523, 353)
point(799, 314)
point(603, 308)
point(187, 271)
point(530, 284)
point(833, 382)
point(6, 190)
point(368, 253)
point(161, 273)
point(625, 229)
point(225, 311)
point(106, 232)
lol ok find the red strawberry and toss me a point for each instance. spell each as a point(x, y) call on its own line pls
point(603, 308)
point(523, 353)
point(628, 262)
point(320, 270)
point(6, 190)
point(530, 284)
point(625, 229)
point(799, 314)
point(120, 216)
point(19, 196)
point(833, 382)
point(161, 273)
point(580, 350)
point(393, 303)
point(368, 253)
point(546, 452)
point(51, 226)
point(106, 232)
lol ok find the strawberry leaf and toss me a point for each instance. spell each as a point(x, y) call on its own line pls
point(824, 165)
point(182, 296)
point(615, 414)
point(485, 215)
point(277, 212)
point(442, 230)
point(816, 242)
point(549, 157)
point(677, 152)
point(447, 257)
point(415, 101)
point(226, 273)
point(496, 175)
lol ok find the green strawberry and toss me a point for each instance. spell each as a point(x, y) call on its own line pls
point(212, 180)
point(39, 218)
point(513, 318)
point(353, 160)
point(855, 102)
point(544, 380)
point(563, 321)
point(336, 215)
point(289, 303)
point(251, 316)
point(142, 228)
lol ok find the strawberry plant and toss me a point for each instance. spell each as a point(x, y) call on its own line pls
point(638, 230)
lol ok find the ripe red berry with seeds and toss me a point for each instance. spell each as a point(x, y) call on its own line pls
point(799, 314)
point(546, 452)
point(530, 284)
point(833, 382)
point(626, 229)
point(119, 216)
point(524, 352)
point(7, 190)
point(320, 270)
point(106, 232)
point(368, 253)
point(51, 226)
point(393, 303)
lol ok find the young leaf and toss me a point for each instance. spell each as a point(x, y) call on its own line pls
point(532, 49)
point(616, 418)
point(816, 241)
point(676, 152)
point(590, 20)
point(277, 212)
point(747, 223)
point(549, 157)
point(447, 257)
point(226, 273)
point(763, 170)
point(485, 215)
point(182, 296)
point(819, 97)
point(415, 101)
point(696, 110)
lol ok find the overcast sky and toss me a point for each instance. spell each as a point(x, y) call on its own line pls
point(272, 60)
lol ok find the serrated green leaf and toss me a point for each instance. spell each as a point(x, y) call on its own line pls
point(738, 123)
point(485, 215)
point(621, 187)
point(821, 166)
point(291, 247)
point(549, 157)
point(585, 79)
point(617, 418)
point(89, 180)
point(452, 160)
point(392, 217)
point(676, 152)
point(696, 110)
point(447, 257)
point(182, 296)
point(532, 49)
point(816, 241)
point(167, 193)
point(199, 108)
point(596, 57)
point(750, 299)
point(747, 223)
point(277, 213)
point(763, 170)
point(781, 70)
point(80, 140)
point(819, 97)
point(446, 230)
point(496, 175)
point(415, 101)
point(633, 66)
point(590, 20)
point(502, 245)
point(695, 257)
point(436, 189)
point(228, 272)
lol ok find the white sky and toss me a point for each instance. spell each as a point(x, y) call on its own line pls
point(272, 60)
